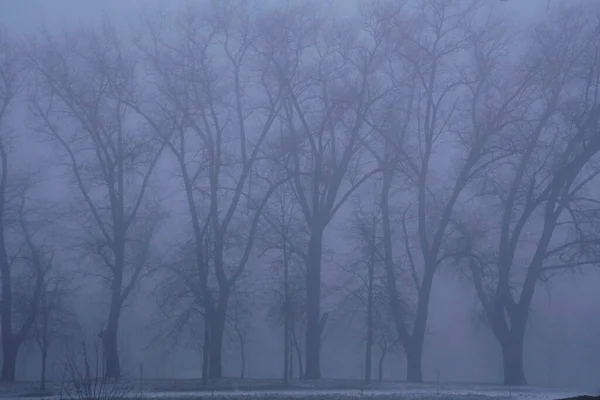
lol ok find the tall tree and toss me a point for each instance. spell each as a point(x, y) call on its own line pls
point(214, 110)
point(83, 83)
point(325, 102)
point(55, 321)
point(283, 235)
point(23, 261)
point(442, 58)
point(546, 215)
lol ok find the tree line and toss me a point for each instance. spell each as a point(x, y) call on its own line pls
point(441, 135)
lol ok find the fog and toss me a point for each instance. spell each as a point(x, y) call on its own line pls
point(561, 346)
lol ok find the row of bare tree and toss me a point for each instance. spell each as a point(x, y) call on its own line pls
point(479, 143)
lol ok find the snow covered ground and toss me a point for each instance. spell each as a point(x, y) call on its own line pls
point(396, 391)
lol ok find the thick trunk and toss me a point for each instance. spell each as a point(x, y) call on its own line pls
point(368, 362)
point(414, 353)
point(111, 354)
point(43, 375)
point(380, 371)
point(205, 351)
point(298, 355)
point(9, 352)
point(10, 348)
point(313, 306)
point(512, 358)
point(217, 330)
point(414, 347)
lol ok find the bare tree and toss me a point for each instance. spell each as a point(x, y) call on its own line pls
point(366, 295)
point(285, 302)
point(547, 217)
point(426, 118)
point(55, 321)
point(214, 116)
point(83, 83)
point(323, 113)
point(23, 259)
point(284, 235)
point(241, 315)
point(366, 224)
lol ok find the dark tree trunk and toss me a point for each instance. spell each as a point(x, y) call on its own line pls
point(286, 353)
point(217, 330)
point(109, 339)
point(512, 358)
point(242, 355)
point(380, 370)
point(298, 355)
point(286, 322)
point(111, 354)
point(369, 344)
point(43, 375)
point(10, 349)
point(291, 364)
point(205, 351)
point(313, 306)
point(414, 353)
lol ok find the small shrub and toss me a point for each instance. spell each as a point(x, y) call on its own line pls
point(83, 378)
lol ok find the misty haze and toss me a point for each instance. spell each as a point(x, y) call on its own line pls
point(334, 198)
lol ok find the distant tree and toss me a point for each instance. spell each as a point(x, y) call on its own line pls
point(425, 116)
point(365, 290)
point(83, 82)
point(23, 259)
point(240, 318)
point(325, 71)
point(55, 321)
point(536, 216)
point(216, 110)
point(283, 234)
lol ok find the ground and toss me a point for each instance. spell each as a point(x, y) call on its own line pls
point(274, 389)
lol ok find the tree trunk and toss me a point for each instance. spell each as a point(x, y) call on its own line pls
point(205, 351)
point(286, 322)
point(286, 352)
point(414, 353)
point(217, 330)
point(298, 355)
point(369, 344)
point(109, 340)
point(242, 356)
point(512, 358)
point(291, 364)
point(9, 349)
point(111, 354)
point(9, 359)
point(313, 306)
point(380, 370)
point(43, 375)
